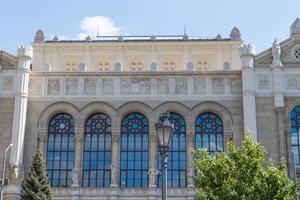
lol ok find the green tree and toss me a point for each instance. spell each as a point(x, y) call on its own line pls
point(242, 174)
point(36, 185)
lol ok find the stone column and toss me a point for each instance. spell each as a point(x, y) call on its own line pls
point(42, 137)
point(77, 170)
point(279, 97)
point(115, 164)
point(247, 53)
point(153, 168)
point(190, 145)
point(19, 121)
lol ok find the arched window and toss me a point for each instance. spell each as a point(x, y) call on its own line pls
point(97, 151)
point(177, 154)
point(295, 133)
point(134, 151)
point(60, 150)
point(209, 133)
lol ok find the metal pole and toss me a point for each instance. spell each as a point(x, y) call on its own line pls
point(164, 160)
point(3, 170)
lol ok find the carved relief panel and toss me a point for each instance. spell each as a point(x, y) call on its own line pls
point(218, 86)
point(199, 85)
point(35, 86)
point(134, 86)
point(90, 86)
point(53, 86)
point(235, 86)
point(292, 82)
point(163, 86)
point(108, 87)
point(263, 82)
point(71, 86)
point(8, 83)
point(181, 86)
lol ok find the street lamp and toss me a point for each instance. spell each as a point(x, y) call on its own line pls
point(164, 131)
point(3, 170)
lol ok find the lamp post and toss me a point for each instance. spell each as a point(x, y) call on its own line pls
point(164, 131)
point(3, 170)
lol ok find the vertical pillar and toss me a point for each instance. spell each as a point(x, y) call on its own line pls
point(247, 53)
point(42, 135)
point(19, 121)
point(279, 97)
point(189, 159)
point(77, 170)
point(115, 164)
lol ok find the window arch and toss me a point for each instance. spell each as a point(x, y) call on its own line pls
point(177, 154)
point(295, 133)
point(209, 133)
point(97, 151)
point(134, 151)
point(60, 150)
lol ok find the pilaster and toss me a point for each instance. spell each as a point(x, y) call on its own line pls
point(247, 53)
point(77, 170)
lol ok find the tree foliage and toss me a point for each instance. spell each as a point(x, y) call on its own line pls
point(242, 174)
point(36, 185)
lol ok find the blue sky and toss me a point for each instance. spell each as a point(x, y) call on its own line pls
point(260, 21)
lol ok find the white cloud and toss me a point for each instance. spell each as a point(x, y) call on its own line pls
point(101, 24)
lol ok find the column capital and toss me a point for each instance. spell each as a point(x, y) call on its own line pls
point(79, 134)
point(115, 135)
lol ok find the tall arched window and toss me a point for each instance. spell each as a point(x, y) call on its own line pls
point(177, 154)
point(60, 150)
point(134, 151)
point(97, 151)
point(295, 133)
point(209, 133)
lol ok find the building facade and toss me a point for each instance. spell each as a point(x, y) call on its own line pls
point(90, 107)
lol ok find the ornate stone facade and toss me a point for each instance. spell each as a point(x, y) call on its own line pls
point(190, 77)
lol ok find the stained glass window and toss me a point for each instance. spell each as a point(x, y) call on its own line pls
point(60, 150)
point(176, 173)
point(295, 133)
point(134, 151)
point(97, 151)
point(209, 133)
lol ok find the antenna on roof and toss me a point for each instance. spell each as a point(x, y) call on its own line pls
point(185, 36)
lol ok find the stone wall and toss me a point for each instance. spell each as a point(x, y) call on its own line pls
point(6, 119)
